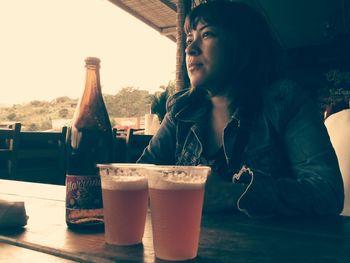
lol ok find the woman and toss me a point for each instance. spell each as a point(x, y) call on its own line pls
point(264, 139)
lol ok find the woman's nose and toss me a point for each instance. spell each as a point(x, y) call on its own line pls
point(193, 48)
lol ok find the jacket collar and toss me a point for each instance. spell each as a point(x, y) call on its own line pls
point(198, 110)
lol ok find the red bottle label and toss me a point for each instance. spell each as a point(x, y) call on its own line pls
point(83, 192)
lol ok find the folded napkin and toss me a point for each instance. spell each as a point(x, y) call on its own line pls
point(12, 214)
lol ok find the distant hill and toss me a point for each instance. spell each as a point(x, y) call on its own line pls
point(38, 115)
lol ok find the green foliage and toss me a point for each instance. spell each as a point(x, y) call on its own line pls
point(158, 105)
point(63, 113)
point(11, 117)
point(128, 102)
point(37, 103)
point(64, 99)
point(37, 115)
point(33, 127)
point(46, 125)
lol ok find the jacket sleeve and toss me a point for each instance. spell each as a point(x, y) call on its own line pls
point(316, 186)
point(161, 149)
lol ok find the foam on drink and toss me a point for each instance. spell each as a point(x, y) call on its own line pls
point(177, 177)
point(123, 176)
point(124, 183)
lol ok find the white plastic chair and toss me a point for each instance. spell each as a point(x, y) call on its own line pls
point(338, 126)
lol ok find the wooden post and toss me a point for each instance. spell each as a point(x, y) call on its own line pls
point(183, 7)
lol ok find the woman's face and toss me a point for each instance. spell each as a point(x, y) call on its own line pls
point(208, 55)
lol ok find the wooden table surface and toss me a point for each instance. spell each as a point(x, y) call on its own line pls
point(12, 253)
point(224, 237)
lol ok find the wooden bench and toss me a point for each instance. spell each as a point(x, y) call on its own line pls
point(9, 138)
point(40, 151)
point(119, 146)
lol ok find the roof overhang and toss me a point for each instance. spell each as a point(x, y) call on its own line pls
point(158, 14)
point(295, 22)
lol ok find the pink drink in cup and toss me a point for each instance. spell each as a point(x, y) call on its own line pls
point(176, 199)
point(125, 202)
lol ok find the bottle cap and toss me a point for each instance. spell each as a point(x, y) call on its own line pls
point(92, 61)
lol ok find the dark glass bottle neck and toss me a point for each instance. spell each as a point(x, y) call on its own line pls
point(92, 80)
point(91, 112)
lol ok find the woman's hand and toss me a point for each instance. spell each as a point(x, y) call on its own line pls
point(221, 195)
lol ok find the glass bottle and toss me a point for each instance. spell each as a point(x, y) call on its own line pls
point(89, 141)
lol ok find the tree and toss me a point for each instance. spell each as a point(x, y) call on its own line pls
point(128, 102)
point(46, 125)
point(33, 127)
point(62, 99)
point(12, 116)
point(158, 105)
point(63, 113)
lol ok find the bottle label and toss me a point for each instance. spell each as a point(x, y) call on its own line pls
point(83, 192)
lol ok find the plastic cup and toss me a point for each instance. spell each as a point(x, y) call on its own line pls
point(176, 201)
point(125, 202)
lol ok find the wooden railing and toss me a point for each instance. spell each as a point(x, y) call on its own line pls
point(41, 156)
point(30, 155)
point(42, 151)
point(9, 137)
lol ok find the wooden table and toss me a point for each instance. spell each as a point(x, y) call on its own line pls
point(12, 253)
point(224, 237)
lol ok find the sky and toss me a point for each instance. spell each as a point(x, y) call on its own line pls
point(44, 43)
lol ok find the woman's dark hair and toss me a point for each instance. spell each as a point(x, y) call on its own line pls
point(256, 52)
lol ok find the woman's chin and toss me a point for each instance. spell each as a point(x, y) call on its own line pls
point(198, 87)
point(212, 90)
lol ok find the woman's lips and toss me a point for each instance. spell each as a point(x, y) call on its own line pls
point(194, 66)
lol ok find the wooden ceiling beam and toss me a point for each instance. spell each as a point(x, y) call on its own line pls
point(129, 10)
point(170, 4)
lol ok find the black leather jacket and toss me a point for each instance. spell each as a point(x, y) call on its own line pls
point(287, 163)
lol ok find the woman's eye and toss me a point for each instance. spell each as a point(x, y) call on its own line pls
point(188, 41)
point(207, 34)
